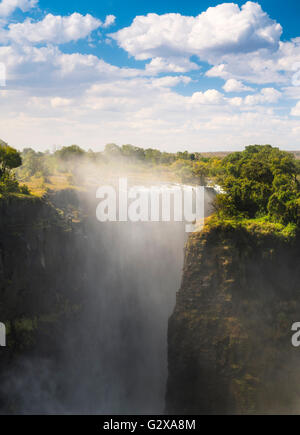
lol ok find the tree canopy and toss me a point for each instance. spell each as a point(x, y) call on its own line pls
point(260, 181)
point(9, 159)
point(70, 152)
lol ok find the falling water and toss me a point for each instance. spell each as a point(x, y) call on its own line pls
point(113, 360)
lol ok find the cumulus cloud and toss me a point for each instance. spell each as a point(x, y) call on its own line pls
point(171, 64)
point(53, 29)
point(262, 66)
point(233, 85)
point(220, 30)
point(7, 7)
point(47, 69)
point(211, 96)
point(266, 95)
point(239, 43)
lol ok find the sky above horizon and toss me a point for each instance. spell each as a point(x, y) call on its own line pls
point(196, 76)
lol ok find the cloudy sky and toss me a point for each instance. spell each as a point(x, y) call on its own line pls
point(195, 75)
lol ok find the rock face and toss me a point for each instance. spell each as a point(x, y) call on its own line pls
point(39, 296)
point(229, 337)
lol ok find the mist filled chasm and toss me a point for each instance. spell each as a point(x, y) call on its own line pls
point(112, 359)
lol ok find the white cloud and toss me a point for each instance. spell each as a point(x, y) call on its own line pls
point(262, 66)
point(7, 7)
point(239, 43)
point(138, 110)
point(292, 92)
point(155, 117)
point(109, 21)
point(236, 101)
point(220, 30)
point(44, 70)
point(53, 29)
point(233, 85)
point(211, 96)
point(60, 102)
point(266, 95)
point(296, 110)
point(171, 64)
point(169, 81)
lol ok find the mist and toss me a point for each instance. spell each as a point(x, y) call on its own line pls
point(111, 358)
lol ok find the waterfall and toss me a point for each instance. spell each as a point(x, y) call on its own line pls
point(112, 357)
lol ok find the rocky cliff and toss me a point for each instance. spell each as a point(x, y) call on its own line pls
point(39, 295)
point(229, 337)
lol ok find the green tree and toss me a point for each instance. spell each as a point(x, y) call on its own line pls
point(33, 163)
point(133, 152)
point(112, 150)
point(70, 153)
point(9, 159)
point(201, 171)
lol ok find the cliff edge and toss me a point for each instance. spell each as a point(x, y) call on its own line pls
point(229, 337)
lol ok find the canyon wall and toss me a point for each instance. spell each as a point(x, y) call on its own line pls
point(229, 337)
point(40, 299)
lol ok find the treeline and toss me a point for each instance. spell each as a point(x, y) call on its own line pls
point(151, 155)
point(187, 167)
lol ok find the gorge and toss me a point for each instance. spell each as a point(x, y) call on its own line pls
point(86, 307)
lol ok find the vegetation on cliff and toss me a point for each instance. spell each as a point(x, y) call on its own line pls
point(260, 183)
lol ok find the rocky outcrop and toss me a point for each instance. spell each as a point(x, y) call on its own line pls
point(229, 337)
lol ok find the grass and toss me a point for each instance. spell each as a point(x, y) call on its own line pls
point(258, 226)
point(39, 186)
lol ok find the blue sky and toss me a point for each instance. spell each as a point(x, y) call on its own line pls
point(205, 75)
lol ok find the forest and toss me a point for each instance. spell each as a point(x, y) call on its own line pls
point(261, 182)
